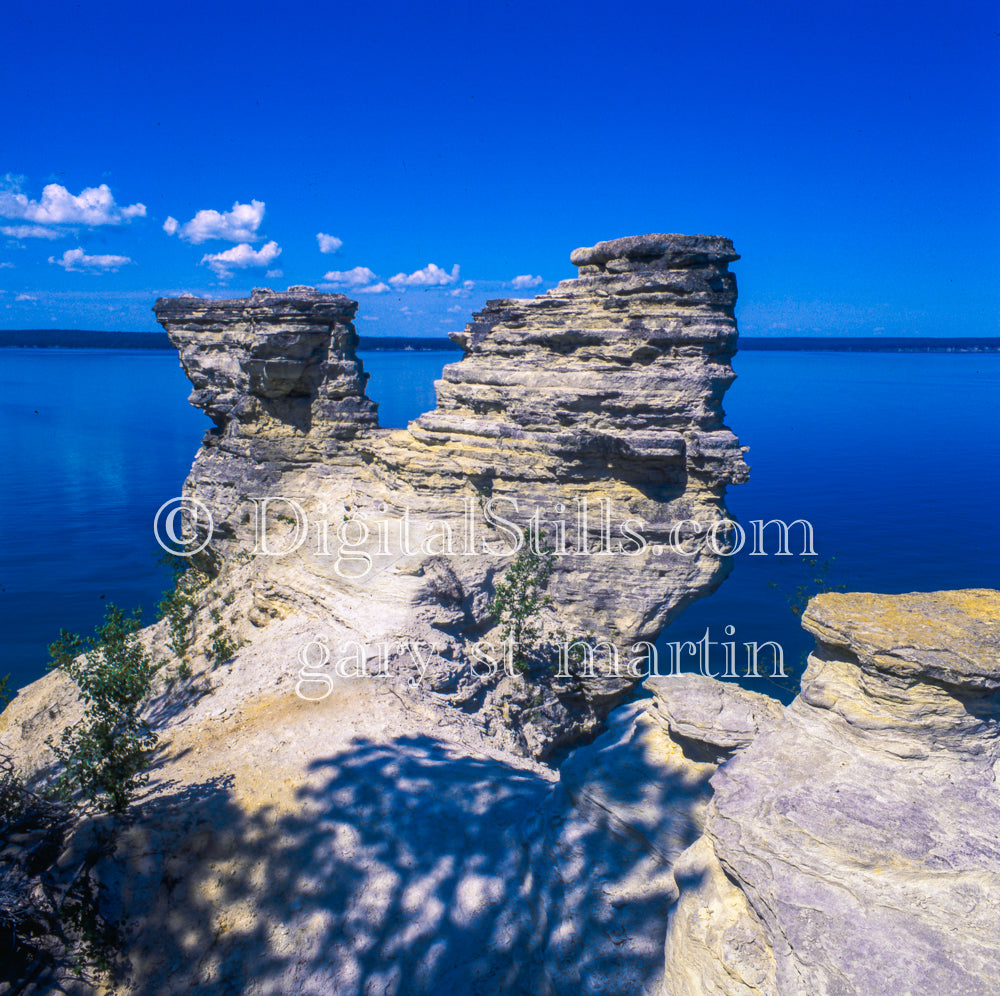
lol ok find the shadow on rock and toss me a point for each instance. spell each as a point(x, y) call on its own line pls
point(406, 867)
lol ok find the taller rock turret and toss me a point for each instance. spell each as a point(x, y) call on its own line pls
point(616, 375)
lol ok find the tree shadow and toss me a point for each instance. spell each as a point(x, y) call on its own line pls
point(407, 867)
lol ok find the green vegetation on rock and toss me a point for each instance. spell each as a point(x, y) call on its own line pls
point(105, 754)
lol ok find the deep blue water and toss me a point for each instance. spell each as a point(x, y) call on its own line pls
point(92, 442)
point(894, 458)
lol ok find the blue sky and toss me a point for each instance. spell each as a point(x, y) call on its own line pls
point(850, 150)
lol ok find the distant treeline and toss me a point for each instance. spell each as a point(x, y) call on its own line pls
point(872, 344)
point(84, 339)
point(403, 342)
point(89, 339)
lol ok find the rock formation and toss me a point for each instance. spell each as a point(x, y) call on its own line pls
point(596, 408)
point(363, 843)
point(278, 375)
point(853, 848)
point(602, 846)
point(404, 838)
point(844, 844)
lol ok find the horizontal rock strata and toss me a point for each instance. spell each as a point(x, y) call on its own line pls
point(279, 375)
point(617, 374)
point(596, 408)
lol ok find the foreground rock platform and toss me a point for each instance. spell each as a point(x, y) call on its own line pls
point(374, 842)
point(365, 843)
point(853, 849)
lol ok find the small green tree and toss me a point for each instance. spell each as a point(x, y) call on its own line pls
point(223, 646)
point(518, 599)
point(178, 604)
point(106, 753)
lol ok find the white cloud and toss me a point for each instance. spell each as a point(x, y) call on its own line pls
point(92, 206)
point(240, 257)
point(25, 297)
point(455, 309)
point(430, 276)
point(6, 266)
point(357, 277)
point(238, 225)
point(525, 280)
point(30, 232)
point(274, 274)
point(328, 243)
point(76, 260)
point(464, 290)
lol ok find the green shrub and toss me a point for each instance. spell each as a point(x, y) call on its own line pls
point(518, 599)
point(105, 754)
point(45, 925)
point(177, 607)
point(222, 647)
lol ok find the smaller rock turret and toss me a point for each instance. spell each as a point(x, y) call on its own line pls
point(274, 365)
point(279, 375)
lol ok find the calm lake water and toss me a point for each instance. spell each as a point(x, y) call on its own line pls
point(894, 458)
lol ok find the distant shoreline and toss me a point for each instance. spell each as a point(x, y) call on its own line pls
point(94, 339)
point(874, 344)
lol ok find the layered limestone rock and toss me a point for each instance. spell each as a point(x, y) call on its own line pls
point(616, 376)
point(276, 370)
point(604, 843)
point(592, 413)
point(279, 375)
point(712, 719)
point(853, 848)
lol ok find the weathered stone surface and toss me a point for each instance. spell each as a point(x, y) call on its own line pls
point(364, 842)
point(606, 392)
point(265, 366)
point(605, 844)
point(719, 716)
point(853, 849)
point(279, 375)
point(664, 251)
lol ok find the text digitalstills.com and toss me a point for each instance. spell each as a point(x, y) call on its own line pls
point(355, 541)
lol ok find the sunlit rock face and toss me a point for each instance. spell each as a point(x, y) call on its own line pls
point(852, 848)
point(593, 411)
point(279, 376)
point(616, 376)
